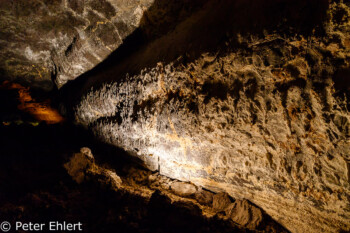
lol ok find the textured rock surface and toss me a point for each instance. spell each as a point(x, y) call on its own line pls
point(265, 118)
point(183, 189)
point(78, 165)
point(42, 40)
point(82, 167)
point(36, 187)
point(172, 204)
point(204, 197)
point(245, 214)
point(221, 201)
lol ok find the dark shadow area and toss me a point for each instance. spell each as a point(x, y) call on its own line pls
point(341, 80)
point(183, 30)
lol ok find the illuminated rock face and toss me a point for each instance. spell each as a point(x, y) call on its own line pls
point(268, 121)
point(62, 39)
point(236, 130)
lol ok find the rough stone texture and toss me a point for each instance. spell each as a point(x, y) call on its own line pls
point(42, 40)
point(267, 120)
point(87, 153)
point(82, 167)
point(112, 179)
point(245, 214)
point(78, 165)
point(221, 201)
point(204, 197)
point(177, 198)
point(183, 189)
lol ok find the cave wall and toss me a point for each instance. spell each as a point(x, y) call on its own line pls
point(46, 43)
point(244, 96)
point(263, 116)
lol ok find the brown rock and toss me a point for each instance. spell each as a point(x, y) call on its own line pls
point(87, 153)
point(204, 197)
point(113, 179)
point(183, 189)
point(78, 166)
point(245, 214)
point(82, 167)
point(270, 123)
point(221, 201)
point(153, 177)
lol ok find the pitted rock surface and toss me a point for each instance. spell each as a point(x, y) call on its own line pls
point(265, 119)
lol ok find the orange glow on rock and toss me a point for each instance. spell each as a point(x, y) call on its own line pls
point(40, 111)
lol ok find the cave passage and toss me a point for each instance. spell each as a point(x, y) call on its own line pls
point(36, 188)
point(175, 116)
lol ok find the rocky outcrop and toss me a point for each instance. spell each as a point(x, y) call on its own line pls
point(43, 40)
point(245, 214)
point(265, 117)
point(82, 167)
point(221, 201)
point(183, 189)
point(164, 196)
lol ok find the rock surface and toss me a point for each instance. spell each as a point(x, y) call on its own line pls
point(264, 117)
point(250, 98)
point(245, 214)
point(173, 204)
point(221, 201)
point(36, 187)
point(82, 167)
point(42, 40)
point(183, 189)
point(204, 197)
point(79, 165)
